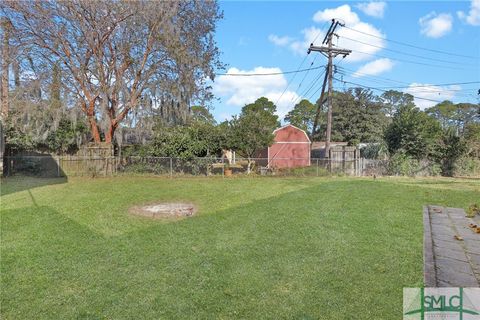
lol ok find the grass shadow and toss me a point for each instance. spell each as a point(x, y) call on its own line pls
point(17, 183)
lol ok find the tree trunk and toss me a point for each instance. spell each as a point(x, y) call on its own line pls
point(94, 129)
point(249, 164)
point(110, 133)
point(5, 66)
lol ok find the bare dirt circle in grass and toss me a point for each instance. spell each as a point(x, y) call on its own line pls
point(164, 210)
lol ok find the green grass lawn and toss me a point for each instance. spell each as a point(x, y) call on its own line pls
point(278, 248)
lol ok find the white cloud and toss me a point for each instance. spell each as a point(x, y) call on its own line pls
point(299, 47)
point(427, 91)
point(375, 67)
point(310, 35)
point(473, 16)
point(342, 13)
point(241, 90)
point(346, 15)
point(374, 9)
point(279, 41)
point(436, 26)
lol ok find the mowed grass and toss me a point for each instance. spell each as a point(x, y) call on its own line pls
point(259, 248)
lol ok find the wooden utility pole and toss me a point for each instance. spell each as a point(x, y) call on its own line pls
point(319, 109)
point(330, 100)
point(330, 52)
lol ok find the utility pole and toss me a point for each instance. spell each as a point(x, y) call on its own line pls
point(330, 52)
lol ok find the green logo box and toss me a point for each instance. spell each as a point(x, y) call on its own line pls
point(441, 303)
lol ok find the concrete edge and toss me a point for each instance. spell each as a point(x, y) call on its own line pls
point(429, 272)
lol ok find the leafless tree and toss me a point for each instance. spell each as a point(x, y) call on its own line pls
point(116, 56)
point(5, 27)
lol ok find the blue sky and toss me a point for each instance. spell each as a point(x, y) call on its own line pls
point(266, 37)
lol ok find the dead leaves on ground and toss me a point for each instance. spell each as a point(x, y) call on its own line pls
point(474, 227)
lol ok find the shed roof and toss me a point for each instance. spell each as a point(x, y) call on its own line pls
point(294, 127)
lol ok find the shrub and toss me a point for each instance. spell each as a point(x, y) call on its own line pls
point(302, 171)
point(403, 165)
point(375, 151)
point(467, 166)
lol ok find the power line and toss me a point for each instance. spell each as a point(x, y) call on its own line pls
point(291, 80)
point(335, 67)
point(314, 93)
point(417, 86)
point(434, 85)
point(432, 89)
point(465, 92)
point(372, 76)
point(303, 79)
point(404, 53)
point(379, 89)
point(266, 74)
point(312, 84)
point(411, 45)
point(276, 73)
point(410, 61)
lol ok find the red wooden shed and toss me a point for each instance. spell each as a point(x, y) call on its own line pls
point(291, 148)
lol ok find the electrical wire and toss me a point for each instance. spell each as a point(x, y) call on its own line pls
point(295, 100)
point(433, 85)
point(291, 80)
point(312, 84)
point(374, 88)
point(466, 93)
point(266, 74)
point(372, 76)
point(413, 46)
point(410, 61)
point(406, 53)
point(303, 79)
point(420, 85)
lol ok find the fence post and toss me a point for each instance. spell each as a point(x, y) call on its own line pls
point(171, 167)
point(317, 167)
point(223, 168)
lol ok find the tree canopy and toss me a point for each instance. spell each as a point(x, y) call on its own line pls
point(115, 58)
point(358, 116)
point(253, 129)
point(198, 139)
point(457, 116)
point(392, 100)
point(202, 114)
point(412, 132)
point(302, 116)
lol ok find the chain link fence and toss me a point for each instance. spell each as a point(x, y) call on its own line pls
point(58, 166)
